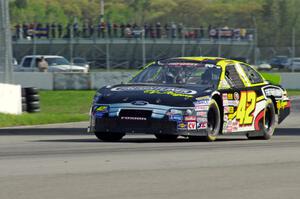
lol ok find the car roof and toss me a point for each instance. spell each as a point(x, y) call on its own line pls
point(220, 61)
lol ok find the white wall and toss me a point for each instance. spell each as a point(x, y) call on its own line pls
point(34, 79)
point(101, 79)
point(10, 99)
point(290, 80)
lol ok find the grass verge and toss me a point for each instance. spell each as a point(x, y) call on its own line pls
point(293, 92)
point(56, 107)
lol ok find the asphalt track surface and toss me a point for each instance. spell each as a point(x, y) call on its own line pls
point(62, 161)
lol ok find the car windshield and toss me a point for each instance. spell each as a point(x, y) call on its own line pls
point(57, 61)
point(180, 73)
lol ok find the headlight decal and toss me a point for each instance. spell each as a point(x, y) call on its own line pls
point(100, 111)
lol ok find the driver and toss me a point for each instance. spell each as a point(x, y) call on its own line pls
point(206, 77)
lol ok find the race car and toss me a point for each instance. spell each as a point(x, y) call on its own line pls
point(195, 97)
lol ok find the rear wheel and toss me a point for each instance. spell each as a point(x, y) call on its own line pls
point(213, 123)
point(166, 137)
point(267, 124)
point(109, 137)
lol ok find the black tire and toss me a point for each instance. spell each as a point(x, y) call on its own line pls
point(213, 123)
point(33, 105)
point(166, 137)
point(23, 100)
point(23, 92)
point(33, 98)
point(33, 110)
point(267, 124)
point(109, 137)
point(31, 91)
point(24, 107)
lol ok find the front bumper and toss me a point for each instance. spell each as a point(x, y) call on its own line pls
point(153, 126)
point(143, 119)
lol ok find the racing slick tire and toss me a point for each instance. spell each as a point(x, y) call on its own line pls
point(31, 91)
point(109, 137)
point(267, 124)
point(213, 123)
point(166, 137)
point(33, 98)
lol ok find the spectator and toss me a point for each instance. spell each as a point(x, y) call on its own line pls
point(236, 33)
point(135, 30)
point(122, 29)
point(201, 32)
point(98, 30)
point(243, 33)
point(151, 31)
point(75, 29)
point(25, 30)
point(173, 30)
point(91, 29)
point(53, 30)
point(167, 30)
point(47, 29)
point(158, 30)
point(59, 30)
point(146, 29)
point(179, 29)
point(18, 31)
point(42, 64)
point(30, 31)
point(128, 32)
point(102, 29)
point(213, 33)
point(108, 26)
point(84, 30)
point(115, 30)
point(68, 31)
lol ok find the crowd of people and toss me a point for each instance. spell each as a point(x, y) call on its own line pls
point(114, 30)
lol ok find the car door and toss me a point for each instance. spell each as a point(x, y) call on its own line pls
point(26, 65)
point(233, 118)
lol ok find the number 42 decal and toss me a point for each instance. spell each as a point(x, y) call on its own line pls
point(246, 107)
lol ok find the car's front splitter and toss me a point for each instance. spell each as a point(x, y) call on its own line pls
point(153, 126)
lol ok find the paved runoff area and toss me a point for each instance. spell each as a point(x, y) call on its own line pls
point(62, 161)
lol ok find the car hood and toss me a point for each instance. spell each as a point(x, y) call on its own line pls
point(178, 96)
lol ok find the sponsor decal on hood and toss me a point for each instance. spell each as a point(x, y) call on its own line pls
point(156, 88)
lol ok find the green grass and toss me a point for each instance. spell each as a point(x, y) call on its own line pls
point(273, 78)
point(56, 107)
point(293, 92)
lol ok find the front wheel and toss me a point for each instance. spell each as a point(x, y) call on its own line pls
point(213, 123)
point(109, 137)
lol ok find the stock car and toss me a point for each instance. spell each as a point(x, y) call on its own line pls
point(195, 97)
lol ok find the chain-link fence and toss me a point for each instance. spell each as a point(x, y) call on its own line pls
point(134, 47)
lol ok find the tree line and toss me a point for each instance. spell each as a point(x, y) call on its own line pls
point(273, 19)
